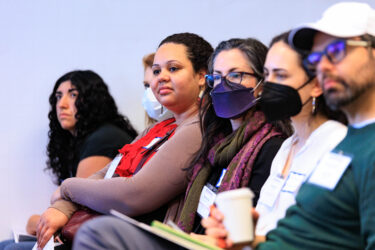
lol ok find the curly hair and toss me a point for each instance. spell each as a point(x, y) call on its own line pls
point(198, 49)
point(210, 123)
point(95, 106)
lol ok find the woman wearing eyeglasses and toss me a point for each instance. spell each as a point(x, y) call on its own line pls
point(238, 143)
point(291, 91)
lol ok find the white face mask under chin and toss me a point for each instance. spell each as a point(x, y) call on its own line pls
point(153, 108)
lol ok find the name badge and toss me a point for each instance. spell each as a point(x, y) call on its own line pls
point(271, 190)
point(112, 167)
point(206, 199)
point(293, 182)
point(152, 143)
point(328, 173)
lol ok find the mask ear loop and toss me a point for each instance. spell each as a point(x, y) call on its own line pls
point(256, 86)
point(307, 82)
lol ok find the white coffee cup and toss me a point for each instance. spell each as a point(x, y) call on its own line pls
point(236, 206)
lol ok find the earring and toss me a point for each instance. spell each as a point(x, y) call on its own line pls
point(201, 93)
point(313, 106)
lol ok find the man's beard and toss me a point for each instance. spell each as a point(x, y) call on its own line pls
point(337, 99)
point(351, 89)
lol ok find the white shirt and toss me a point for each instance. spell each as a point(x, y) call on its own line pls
point(277, 193)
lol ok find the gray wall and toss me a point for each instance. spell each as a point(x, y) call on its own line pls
point(41, 40)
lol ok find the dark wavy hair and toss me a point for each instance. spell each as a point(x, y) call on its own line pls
point(212, 125)
point(320, 104)
point(198, 49)
point(95, 107)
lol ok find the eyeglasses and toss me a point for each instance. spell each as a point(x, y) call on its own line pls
point(335, 52)
point(231, 78)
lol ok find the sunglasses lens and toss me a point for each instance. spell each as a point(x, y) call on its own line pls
point(336, 51)
point(313, 59)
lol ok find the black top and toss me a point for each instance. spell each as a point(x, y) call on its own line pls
point(259, 174)
point(105, 141)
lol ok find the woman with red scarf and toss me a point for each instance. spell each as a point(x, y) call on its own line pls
point(156, 160)
point(237, 149)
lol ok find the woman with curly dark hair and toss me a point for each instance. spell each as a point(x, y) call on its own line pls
point(156, 160)
point(86, 129)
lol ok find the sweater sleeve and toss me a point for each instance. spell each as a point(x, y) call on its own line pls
point(262, 166)
point(161, 179)
point(66, 207)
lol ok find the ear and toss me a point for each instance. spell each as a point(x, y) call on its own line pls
point(201, 78)
point(316, 91)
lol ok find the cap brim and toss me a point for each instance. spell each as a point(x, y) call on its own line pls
point(301, 38)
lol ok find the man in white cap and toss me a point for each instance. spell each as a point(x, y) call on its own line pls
point(335, 208)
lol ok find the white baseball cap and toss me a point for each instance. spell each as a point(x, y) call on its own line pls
point(346, 19)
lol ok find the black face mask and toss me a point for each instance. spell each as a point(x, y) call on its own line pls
point(279, 101)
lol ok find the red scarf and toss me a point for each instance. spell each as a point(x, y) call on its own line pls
point(134, 153)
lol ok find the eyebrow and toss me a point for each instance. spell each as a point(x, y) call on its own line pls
point(168, 62)
point(72, 89)
point(278, 70)
point(230, 70)
point(69, 91)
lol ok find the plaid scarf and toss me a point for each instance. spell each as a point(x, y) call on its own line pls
point(238, 152)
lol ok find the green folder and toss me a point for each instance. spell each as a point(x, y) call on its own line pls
point(182, 235)
point(166, 232)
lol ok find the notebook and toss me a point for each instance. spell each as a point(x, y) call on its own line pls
point(167, 232)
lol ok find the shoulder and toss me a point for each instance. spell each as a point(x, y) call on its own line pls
point(332, 127)
point(104, 141)
point(329, 134)
point(189, 129)
point(273, 143)
point(269, 151)
point(187, 136)
point(107, 133)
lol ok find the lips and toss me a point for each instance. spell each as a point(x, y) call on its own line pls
point(63, 115)
point(329, 84)
point(164, 90)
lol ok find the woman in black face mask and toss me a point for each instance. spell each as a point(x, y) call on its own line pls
point(290, 91)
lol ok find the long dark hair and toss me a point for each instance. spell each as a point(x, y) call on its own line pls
point(95, 106)
point(320, 104)
point(212, 125)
